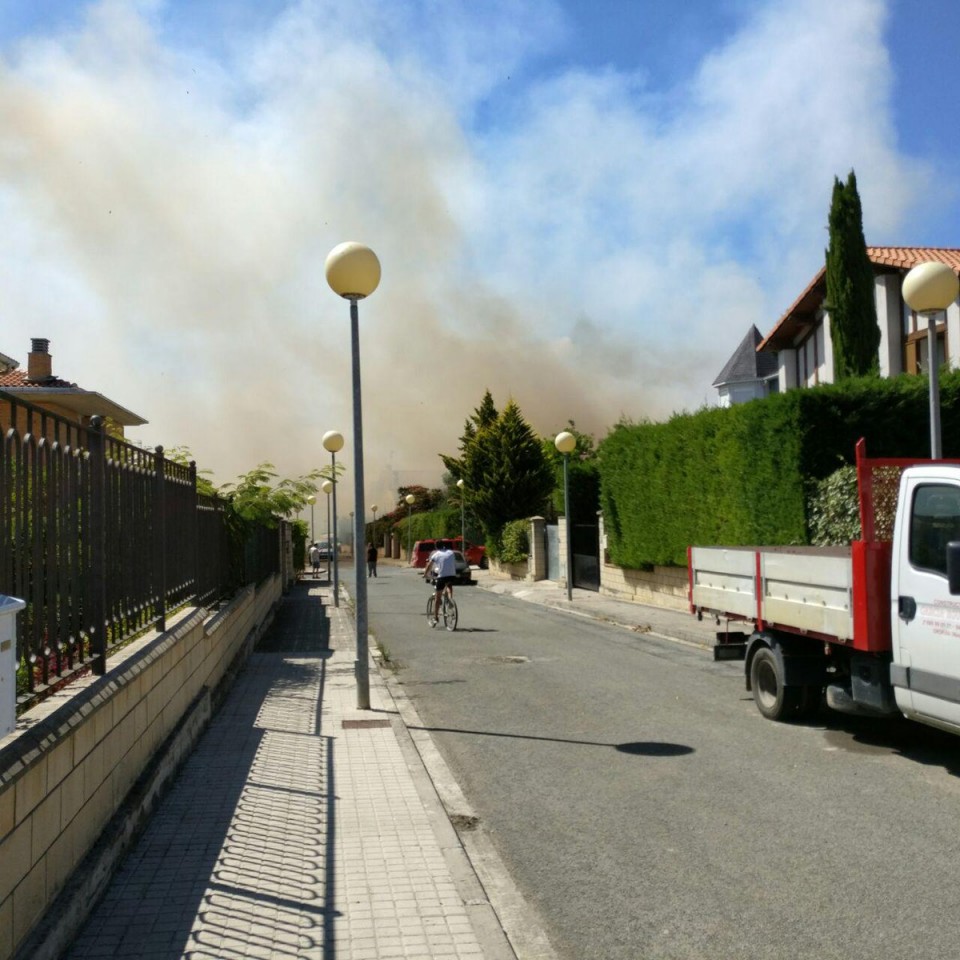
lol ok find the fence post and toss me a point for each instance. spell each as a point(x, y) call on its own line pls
point(160, 537)
point(195, 530)
point(98, 545)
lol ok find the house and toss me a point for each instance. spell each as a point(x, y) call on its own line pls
point(38, 385)
point(748, 374)
point(801, 337)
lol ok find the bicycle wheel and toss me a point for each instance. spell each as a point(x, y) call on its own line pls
point(449, 612)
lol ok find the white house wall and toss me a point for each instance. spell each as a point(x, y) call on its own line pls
point(892, 316)
point(890, 320)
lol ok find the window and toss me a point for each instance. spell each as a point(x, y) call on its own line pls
point(809, 353)
point(915, 345)
point(934, 522)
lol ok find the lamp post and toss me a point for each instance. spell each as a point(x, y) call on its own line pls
point(566, 442)
point(333, 441)
point(928, 289)
point(352, 551)
point(409, 498)
point(463, 528)
point(353, 272)
point(327, 487)
point(373, 531)
point(312, 500)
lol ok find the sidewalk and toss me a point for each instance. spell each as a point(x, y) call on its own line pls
point(302, 827)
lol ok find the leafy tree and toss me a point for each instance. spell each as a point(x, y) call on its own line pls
point(850, 297)
point(503, 465)
point(256, 497)
point(584, 476)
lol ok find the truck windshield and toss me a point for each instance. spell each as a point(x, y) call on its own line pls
point(934, 522)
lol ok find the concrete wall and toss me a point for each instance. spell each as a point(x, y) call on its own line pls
point(660, 587)
point(82, 770)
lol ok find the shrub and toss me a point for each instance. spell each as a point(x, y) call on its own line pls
point(515, 542)
point(834, 510)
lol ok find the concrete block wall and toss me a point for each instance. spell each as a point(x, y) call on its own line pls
point(661, 586)
point(72, 761)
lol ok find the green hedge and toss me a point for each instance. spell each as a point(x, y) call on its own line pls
point(444, 522)
point(743, 474)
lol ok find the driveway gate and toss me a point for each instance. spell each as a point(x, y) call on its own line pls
point(585, 538)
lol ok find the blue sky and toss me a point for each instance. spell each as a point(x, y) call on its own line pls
point(582, 205)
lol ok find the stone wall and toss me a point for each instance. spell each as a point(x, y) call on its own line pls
point(661, 586)
point(82, 770)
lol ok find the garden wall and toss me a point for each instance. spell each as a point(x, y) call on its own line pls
point(82, 771)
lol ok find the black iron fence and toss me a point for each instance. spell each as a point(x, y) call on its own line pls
point(102, 539)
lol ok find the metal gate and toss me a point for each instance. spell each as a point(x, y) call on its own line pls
point(552, 541)
point(585, 538)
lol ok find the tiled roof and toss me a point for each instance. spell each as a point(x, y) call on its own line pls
point(803, 311)
point(746, 364)
point(18, 378)
point(908, 257)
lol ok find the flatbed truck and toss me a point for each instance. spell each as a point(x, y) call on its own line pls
point(872, 627)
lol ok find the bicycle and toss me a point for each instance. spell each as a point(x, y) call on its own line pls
point(448, 609)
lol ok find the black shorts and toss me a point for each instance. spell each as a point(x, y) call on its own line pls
point(441, 582)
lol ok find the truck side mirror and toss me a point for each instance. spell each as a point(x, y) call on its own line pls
point(953, 566)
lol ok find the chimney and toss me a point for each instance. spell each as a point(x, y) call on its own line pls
point(39, 361)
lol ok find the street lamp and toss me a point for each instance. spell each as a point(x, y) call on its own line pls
point(928, 289)
point(566, 442)
point(353, 272)
point(327, 487)
point(312, 500)
point(463, 529)
point(373, 529)
point(333, 441)
point(409, 498)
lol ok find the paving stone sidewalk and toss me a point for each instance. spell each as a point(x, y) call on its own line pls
point(300, 827)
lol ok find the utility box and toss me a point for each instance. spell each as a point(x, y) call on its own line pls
point(9, 608)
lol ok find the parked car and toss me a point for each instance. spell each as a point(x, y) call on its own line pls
point(476, 554)
point(421, 550)
point(464, 573)
point(326, 549)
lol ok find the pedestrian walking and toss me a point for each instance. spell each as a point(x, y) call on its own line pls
point(371, 560)
point(315, 559)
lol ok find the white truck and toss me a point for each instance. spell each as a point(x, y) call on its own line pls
point(875, 625)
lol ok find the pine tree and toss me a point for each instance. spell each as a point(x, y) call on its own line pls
point(503, 466)
point(850, 287)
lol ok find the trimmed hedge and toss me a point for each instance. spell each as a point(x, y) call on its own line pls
point(743, 475)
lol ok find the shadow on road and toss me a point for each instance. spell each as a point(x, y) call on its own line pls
point(649, 748)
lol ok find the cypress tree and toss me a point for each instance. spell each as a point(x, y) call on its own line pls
point(850, 287)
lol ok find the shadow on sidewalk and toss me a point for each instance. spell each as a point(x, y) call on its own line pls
point(244, 840)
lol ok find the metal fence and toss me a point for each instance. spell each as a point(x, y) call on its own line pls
point(102, 539)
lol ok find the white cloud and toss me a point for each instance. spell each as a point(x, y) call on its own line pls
point(587, 247)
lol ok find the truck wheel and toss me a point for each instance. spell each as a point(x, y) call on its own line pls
point(773, 699)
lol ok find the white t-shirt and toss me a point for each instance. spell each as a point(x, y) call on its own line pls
point(444, 563)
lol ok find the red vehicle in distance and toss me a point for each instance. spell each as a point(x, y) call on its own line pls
point(476, 554)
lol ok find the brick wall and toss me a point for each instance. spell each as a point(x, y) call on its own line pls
point(73, 761)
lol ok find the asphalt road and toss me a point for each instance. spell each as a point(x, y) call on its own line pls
point(647, 810)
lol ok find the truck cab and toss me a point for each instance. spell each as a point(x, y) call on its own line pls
point(925, 609)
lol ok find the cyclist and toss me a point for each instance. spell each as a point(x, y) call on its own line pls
point(442, 565)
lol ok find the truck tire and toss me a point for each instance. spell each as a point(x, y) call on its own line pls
point(773, 698)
